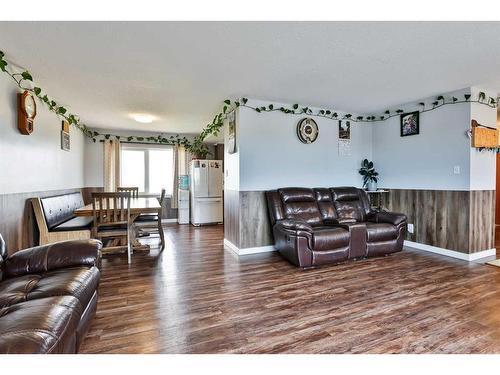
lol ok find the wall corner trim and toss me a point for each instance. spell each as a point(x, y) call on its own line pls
point(249, 250)
point(450, 253)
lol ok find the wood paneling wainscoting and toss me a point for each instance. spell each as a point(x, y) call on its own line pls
point(246, 222)
point(455, 220)
point(17, 223)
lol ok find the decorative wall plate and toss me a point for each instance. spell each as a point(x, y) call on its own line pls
point(307, 130)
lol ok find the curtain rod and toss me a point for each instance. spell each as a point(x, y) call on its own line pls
point(136, 143)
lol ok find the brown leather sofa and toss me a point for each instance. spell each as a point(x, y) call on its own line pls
point(313, 227)
point(48, 296)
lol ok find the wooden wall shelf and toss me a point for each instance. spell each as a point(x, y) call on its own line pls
point(484, 136)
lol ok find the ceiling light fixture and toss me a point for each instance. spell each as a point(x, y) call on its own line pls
point(143, 118)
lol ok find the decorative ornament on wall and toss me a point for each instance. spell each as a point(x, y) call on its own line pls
point(307, 130)
point(231, 137)
point(65, 139)
point(410, 124)
point(26, 112)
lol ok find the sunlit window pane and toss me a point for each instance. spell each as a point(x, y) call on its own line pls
point(132, 169)
point(160, 170)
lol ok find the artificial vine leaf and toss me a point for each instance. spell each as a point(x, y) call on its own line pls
point(387, 112)
point(106, 136)
point(26, 76)
point(328, 112)
point(244, 100)
point(37, 91)
point(422, 104)
point(61, 110)
point(3, 65)
point(257, 109)
point(271, 107)
point(227, 101)
point(295, 106)
point(454, 99)
point(467, 96)
point(482, 96)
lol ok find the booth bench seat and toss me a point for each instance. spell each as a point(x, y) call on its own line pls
point(56, 220)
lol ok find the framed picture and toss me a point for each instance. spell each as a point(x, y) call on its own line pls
point(410, 123)
point(231, 139)
point(65, 139)
point(344, 130)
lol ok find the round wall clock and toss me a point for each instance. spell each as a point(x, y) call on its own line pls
point(26, 112)
point(307, 130)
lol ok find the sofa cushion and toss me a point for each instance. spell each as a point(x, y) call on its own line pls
point(381, 232)
point(45, 325)
point(329, 238)
point(60, 208)
point(348, 203)
point(77, 223)
point(325, 204)
point(289, 195)
point(80, 282)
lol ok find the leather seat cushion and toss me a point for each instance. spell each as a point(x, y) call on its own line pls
point(329, 238)
point(80, 282)
point(381, 232)
point(77, 223)
point(142, 218)
point(45, 325)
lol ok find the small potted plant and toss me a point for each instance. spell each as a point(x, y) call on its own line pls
point(370, 175)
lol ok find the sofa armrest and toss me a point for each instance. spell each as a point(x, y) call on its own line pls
point(54, 256)
point(393, 218)
point(294, 225)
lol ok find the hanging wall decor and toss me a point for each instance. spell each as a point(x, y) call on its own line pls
point(410, 124)
point(307, 130)
point(65, 139)
point(231, 137)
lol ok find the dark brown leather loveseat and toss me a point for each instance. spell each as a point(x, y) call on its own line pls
point(312, 227)
point(48, 296)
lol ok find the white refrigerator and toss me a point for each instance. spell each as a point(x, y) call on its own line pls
point(206, 192)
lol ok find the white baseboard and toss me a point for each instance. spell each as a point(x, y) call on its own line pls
point(451, 253)
point(249, 250)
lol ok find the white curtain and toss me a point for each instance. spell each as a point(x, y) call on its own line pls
point(111, 165)
point(181, 161)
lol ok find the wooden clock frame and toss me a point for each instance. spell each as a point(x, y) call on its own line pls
point(24, 122)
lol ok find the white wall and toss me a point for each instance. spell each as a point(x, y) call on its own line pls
point(271, 155)
point(36, 162)
point(427, 160)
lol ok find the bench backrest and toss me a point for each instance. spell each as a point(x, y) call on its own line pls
point(60, 208)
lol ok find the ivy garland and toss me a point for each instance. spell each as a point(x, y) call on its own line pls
point(197, 147)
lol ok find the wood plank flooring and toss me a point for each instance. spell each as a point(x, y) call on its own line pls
point(197, 297)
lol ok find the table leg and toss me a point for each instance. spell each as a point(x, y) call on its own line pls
point(136, 245)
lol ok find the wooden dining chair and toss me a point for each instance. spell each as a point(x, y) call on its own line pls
point(112, 223)
point(151, 223)
point(134, 191)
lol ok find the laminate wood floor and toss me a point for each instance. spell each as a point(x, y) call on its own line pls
point(197, 297)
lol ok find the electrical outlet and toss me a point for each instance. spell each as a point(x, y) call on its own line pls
point(410, 228)
point(456, 169)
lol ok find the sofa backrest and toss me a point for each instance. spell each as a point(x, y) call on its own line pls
point(325, 203)
point(300, 203)
point(60, 208)
point(3, 255)
point(350, 203)
point(317, 205)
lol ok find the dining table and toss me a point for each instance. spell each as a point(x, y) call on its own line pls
point(138, 206)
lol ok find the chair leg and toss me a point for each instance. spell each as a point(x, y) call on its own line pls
point(129, 247)
point(160, 232)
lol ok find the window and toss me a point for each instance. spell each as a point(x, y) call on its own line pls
point(148, 167)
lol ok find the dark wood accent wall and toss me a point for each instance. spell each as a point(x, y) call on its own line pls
point(255, 228)
point(456, 220)
point(232, 216)
point(17, 221)
point(482, 220)
point(246, 222)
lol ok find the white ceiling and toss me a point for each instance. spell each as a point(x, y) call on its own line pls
point(180, 72)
